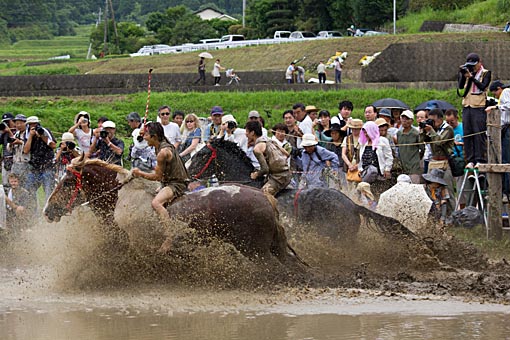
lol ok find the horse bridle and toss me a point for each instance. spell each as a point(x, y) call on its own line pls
point(77, 188)
point(209, 161)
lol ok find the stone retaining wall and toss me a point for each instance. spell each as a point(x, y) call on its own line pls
point(435, 61)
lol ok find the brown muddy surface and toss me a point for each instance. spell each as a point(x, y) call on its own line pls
point(73, 255)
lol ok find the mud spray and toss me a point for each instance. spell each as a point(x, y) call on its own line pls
point(77, 254)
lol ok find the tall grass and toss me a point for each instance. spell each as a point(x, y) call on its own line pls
point(489, 12)
point(58, 113)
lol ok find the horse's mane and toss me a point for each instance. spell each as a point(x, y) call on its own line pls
point(123, 175)
point(231, 148)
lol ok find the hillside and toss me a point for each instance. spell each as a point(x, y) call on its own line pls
point(259, 58)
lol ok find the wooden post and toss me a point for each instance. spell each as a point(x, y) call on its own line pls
point(494, 199)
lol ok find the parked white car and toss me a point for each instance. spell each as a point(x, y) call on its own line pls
point(330, 34)
point(302, 35)
point(282, 34)
point(153, 50)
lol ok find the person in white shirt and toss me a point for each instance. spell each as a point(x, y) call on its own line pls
point(321, 72)
point(229, 131)
point(344, 116)
point(289, 73)
point(502, 92)
point(305, 122)
point(172, 130)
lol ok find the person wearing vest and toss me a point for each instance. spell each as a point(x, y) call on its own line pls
point(350, 145)
point(475, 80)
point(214, 127)
point(110, 147)
point(170, 171)
point(272, 158)
point(39, 144)
point(20, 165)
point(314, 159)
point(441, 140)
point(7, 130)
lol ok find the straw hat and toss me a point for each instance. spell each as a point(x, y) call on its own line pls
point(355, 124)
point(67, 137)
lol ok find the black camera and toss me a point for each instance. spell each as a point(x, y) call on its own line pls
point(139, 138)
point(39, 129)
point(3, 126)
point(103, 133)
point(467, 67)
point(70, 145)
point(231, 125)
point(425, 123)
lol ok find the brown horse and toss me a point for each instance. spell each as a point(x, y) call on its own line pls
point(240, 215)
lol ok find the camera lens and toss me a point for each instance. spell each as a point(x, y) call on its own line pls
point(2, 126)
point(39, 130)
point(103, 133)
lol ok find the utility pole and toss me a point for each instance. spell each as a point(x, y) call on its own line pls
point(97, 23)
point(105, 35)
point(244, 11)
point(114, 25)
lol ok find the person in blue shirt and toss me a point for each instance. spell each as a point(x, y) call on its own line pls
point(452, 118)
point(314, 159)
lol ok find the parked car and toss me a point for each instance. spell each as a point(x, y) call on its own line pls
point(302, 35)
point(153, 50)
point(370, 33)
point(329, 34)
point(281, 34)
point(232, 37)
point(210, 41)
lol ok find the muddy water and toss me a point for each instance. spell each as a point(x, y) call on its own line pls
point(58, 282)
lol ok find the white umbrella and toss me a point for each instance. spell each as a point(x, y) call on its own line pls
point(205, 55)
point(407, 203)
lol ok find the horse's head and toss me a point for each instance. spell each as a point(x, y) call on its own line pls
point(224, 159)
point(67, 195)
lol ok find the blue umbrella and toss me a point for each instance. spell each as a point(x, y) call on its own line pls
point(390, 103)
point(440, 104)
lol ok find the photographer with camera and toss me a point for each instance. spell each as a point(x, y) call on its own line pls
point(439, 135)
point(475, 80)
point(39, 145)
point(110, 148)
point(229, 131)
point(502, 93)
point(7, 129)
point(66, 151)
point(82, 131)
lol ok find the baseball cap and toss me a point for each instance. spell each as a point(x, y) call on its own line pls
point(7, 116)
point(408, 113)
point(134, 116)
point(431, 105)
point(472, 58)
point(33, 119)
point(253, 114)
point(495, 84)
point(216, 110)
point(109, 124)
point(20, 117)
point(385, 112)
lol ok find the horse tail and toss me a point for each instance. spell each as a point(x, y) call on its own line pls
point(384, 224)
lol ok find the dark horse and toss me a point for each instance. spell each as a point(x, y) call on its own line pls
point(238, 214)
point(329, 211)
point(225, 160)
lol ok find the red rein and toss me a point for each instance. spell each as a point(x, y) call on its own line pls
point(78, 186)
point(211, 158)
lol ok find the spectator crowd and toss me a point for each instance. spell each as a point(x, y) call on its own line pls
point(307, 148)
